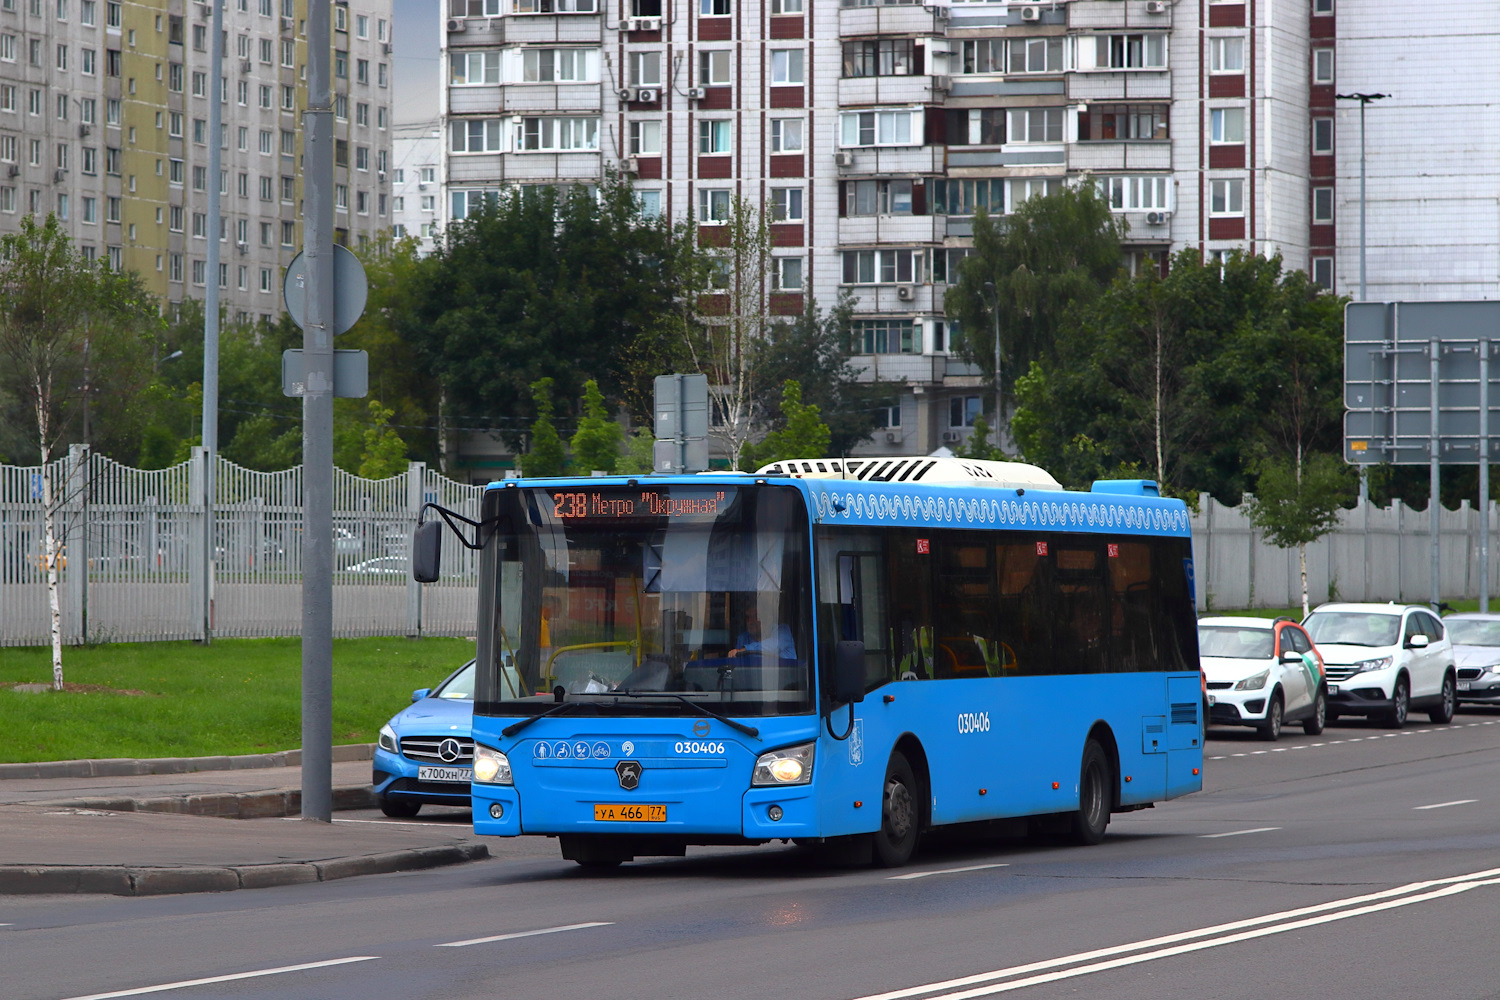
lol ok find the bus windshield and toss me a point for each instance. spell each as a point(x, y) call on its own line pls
point(638, 597)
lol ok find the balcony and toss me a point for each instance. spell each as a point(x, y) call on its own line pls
point(887, 18)
point(920, 368)
point(888, 90)
point(1109, 155)
point(867, 230)
point(1132, 15)
point(1120, 85)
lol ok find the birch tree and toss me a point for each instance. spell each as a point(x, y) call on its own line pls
point(58, 313)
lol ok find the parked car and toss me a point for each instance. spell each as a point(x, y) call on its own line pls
point(1476, 656)
point(1383, 660)
point(426, 753)
point(1262, 673)
point(381, 566)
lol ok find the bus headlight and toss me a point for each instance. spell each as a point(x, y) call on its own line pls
point(1253, 683)
point(791, 766)
point(491, 767)
point(388, 739)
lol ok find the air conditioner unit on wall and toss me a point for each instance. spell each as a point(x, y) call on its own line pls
point(1156, 7)
point(1158, 218)
point(843, 158)
point(951, 437)
point(942, 83)
point(643, 24)
point(906, 292)
point(456, 24)
point(624, 93)
point(647, 95)
point(892, 437)
point(1031, 13)
point(697, 93)
point(630, 165)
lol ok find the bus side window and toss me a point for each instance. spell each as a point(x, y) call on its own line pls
point(1081, 607)
point(1025, 627)
point(1132, 608)
point(967, 640)
point(862, 610)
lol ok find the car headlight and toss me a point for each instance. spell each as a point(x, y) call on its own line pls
point(1493, 668)
point(388, 739)
point(791, 766)
point(1365, 666)
point(491, 767)
point(1253, 683)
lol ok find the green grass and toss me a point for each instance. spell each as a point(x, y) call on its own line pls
point(234, 696)
point(1468, 605)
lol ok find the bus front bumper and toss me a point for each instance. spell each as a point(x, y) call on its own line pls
point(763, 814)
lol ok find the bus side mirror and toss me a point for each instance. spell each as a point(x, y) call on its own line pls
point(426, 551)
point(849, 672)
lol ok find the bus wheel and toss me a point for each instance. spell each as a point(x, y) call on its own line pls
point(1092, 817)
point(399, 808)
point(900, 815)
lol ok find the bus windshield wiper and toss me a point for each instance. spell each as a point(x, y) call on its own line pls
point(701, 708)
point(516, 727)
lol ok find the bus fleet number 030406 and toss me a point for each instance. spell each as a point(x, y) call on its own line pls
point(696, 747)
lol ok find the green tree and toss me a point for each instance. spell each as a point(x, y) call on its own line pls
point(979, 444)
point(545, 456)
point(1052, 253)
point(69, 329)
point(1298, 500)
point(638, 459)
point(384, 452)
point(596, 443)
point(803, 435)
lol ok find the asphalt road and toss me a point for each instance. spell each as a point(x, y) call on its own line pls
point(1362, 863)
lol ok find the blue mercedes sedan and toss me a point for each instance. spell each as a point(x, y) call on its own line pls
point(425, 753)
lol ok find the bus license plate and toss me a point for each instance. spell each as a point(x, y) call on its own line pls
point(629, 813)
point(451, 775)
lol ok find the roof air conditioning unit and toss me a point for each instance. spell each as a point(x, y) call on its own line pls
point(1158, 218)
point(647, 95)
point(843, 158)
point(697, 93)
point(624, 93)
point(1031, 13)
point(943, 83)
point(905, 293)
point(456, 24)
point(643, 24)
point(952, 437)
point(1156, 7)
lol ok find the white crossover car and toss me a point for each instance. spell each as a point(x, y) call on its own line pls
point(1384, 660)
point(1261, 673)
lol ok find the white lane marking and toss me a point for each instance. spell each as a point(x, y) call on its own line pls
point(1281, 750)
point(227, 979)
point(947, 871)
point(1169, 939)
point(1218, 942)
point(384, 822)
point(1238, 833)
point(1445, 805)
point(1216, 758)
point(524, 934)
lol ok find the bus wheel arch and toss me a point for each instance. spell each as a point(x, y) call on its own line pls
point(911, 748)
point(1103, 735)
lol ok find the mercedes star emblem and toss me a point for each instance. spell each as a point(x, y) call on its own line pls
point(450, 750)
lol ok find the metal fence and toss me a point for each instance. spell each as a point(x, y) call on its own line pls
point(133, 566)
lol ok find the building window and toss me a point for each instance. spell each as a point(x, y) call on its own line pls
point(1322, 136)
point(645, 138)
point(341, 197)
point(557, 65)
point(265, 97)
point(885, 336)
point(1226, 197)
point(650, 202)
point(1227, 126)
point(881, 57)
point(1035, 55)
point(1136, 193)
point(1323, 7)
point(1125, 121)
point(713, 67)
point(174, 267)
point(976, 55)
point(1130, 51)
point(786, 6)
point(713, 136)
point(786, 274)
point(361, 157)
point(963, 409)
point(645, 69)
point(468, 69)
point(551, 6)
point(786, 204)
point(888, 414)
point(967, 197)
point(877, 197)
point(1036, 125)
point(477, 135)
point(362, 71)
point(557, 134)
point(1226, 55)
point(714, 8)
point(786, 67)
point(200, 84)
point(882, 267)
point(974, 126)
point(1322, 205)
point(713, 205)
point(1322, 65)
point(288, 233)
point(341, 64)
point(881, 128)
point(1322, 272)
point(461, 203)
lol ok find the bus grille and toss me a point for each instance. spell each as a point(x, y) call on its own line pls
point(1185, 713)
point(426, 748)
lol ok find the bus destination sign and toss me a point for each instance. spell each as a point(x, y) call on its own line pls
point(693, 504)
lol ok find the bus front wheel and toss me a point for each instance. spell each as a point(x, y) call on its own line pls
point(900, 814)
point(1092, 817)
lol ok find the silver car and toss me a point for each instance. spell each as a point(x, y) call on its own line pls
point(1476, 654)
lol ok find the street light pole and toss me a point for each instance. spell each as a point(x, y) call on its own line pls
point(1364, 102)
point(992, 300)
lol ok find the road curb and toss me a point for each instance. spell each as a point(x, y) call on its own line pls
point(223, 805)
point(127, 767)
point(144, 881)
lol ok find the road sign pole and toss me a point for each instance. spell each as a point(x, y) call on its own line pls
point(211, 314)
point(1434, 502)
point(317, 424)
point(1484, 475)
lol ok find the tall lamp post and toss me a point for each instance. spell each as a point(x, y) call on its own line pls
point(992, 301)
point(1364, 101)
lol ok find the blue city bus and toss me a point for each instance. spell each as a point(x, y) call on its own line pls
point(844, 653)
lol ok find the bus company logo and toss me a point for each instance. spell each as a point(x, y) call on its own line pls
point(629, 773)
point(857, 743)
point(542, 750)
point(700, 728)
point(627, 748)
point(973, 722)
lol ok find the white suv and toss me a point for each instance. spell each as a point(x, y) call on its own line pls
point(1382, 660)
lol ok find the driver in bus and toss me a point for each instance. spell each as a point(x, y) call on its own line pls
point(751, 641)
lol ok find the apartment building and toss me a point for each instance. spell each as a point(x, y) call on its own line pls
point(871, 133)
point(104, 122)
point(417, 154)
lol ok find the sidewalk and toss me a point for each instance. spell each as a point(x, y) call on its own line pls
point(205, 830)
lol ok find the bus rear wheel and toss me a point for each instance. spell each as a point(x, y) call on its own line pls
point(900, 814)
point(1094, 794)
